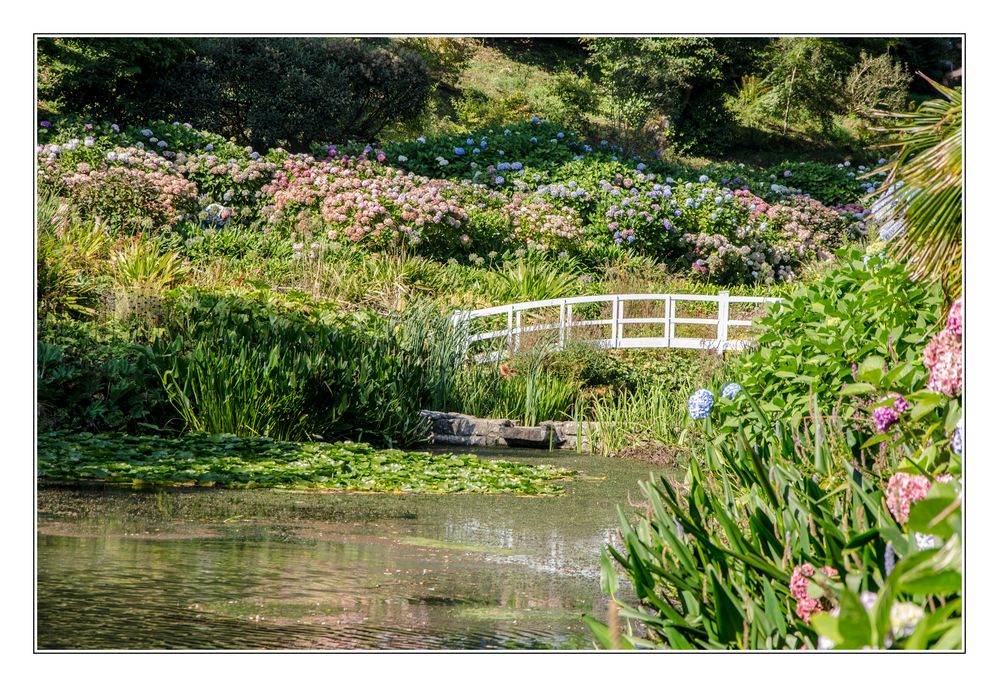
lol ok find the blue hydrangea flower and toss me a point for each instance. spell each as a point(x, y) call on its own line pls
point(516, 166)
point(560, 135)
point(503, 166)
point(459, 151)
point(535, 119)
point(603, 143)
point(146, 132)
point(254, 155)
point(700, 403)
point(209, 147)
point(475, 151)
point(640, 166)
point(957, 439)
point(889, 558)
point(730, 390)
point(534, 139)
point(703, 178)
point(421, 139)
point(470, 141)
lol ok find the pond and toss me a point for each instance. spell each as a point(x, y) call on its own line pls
point(218, 569)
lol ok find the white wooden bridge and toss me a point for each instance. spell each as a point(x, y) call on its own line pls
point(568, 324)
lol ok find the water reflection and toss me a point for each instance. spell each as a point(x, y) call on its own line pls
point(188, 569)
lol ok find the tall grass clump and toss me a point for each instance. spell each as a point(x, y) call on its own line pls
point(247, 366)
point(629, 417)
point(521, 390)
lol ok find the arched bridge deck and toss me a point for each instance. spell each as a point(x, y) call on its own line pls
point(539, 316)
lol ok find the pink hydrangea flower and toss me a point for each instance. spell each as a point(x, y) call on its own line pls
point(954, 323)
point(905, 489)
point(800, 576)
point(943, 358)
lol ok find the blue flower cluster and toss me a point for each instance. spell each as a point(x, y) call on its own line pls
point(570, 190)
point(731, 390)
point(700, 404)
point(957, 439)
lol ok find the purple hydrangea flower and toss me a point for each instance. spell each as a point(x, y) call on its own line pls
point(887, 416)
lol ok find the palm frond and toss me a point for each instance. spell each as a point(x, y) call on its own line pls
point(922, 207)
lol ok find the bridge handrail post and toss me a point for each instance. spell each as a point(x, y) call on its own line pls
point(615, 304)
point(509, 327)
point(722, 321)
point(561, 324)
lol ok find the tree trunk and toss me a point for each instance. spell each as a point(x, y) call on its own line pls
point(790, 92)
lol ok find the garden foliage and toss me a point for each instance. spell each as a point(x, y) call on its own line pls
point(830, 519)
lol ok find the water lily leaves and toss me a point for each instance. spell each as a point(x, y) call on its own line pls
point(240, 463)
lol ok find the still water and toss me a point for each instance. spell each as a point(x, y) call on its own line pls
point(214, 569)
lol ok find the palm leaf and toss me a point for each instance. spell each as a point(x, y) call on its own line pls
point(922, 209)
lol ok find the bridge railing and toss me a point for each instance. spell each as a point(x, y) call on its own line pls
point(517, 313)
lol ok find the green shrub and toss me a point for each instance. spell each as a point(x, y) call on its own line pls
point(876, 83)
point(94, 378)
point(865, 311)
point(829, 184)
point(576, 95)
point(291, 92)
point(109, 77)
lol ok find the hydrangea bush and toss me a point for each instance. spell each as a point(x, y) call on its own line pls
point(529, 186)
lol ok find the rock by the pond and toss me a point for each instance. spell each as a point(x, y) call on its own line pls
point(531, 437)
point(458, 429)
